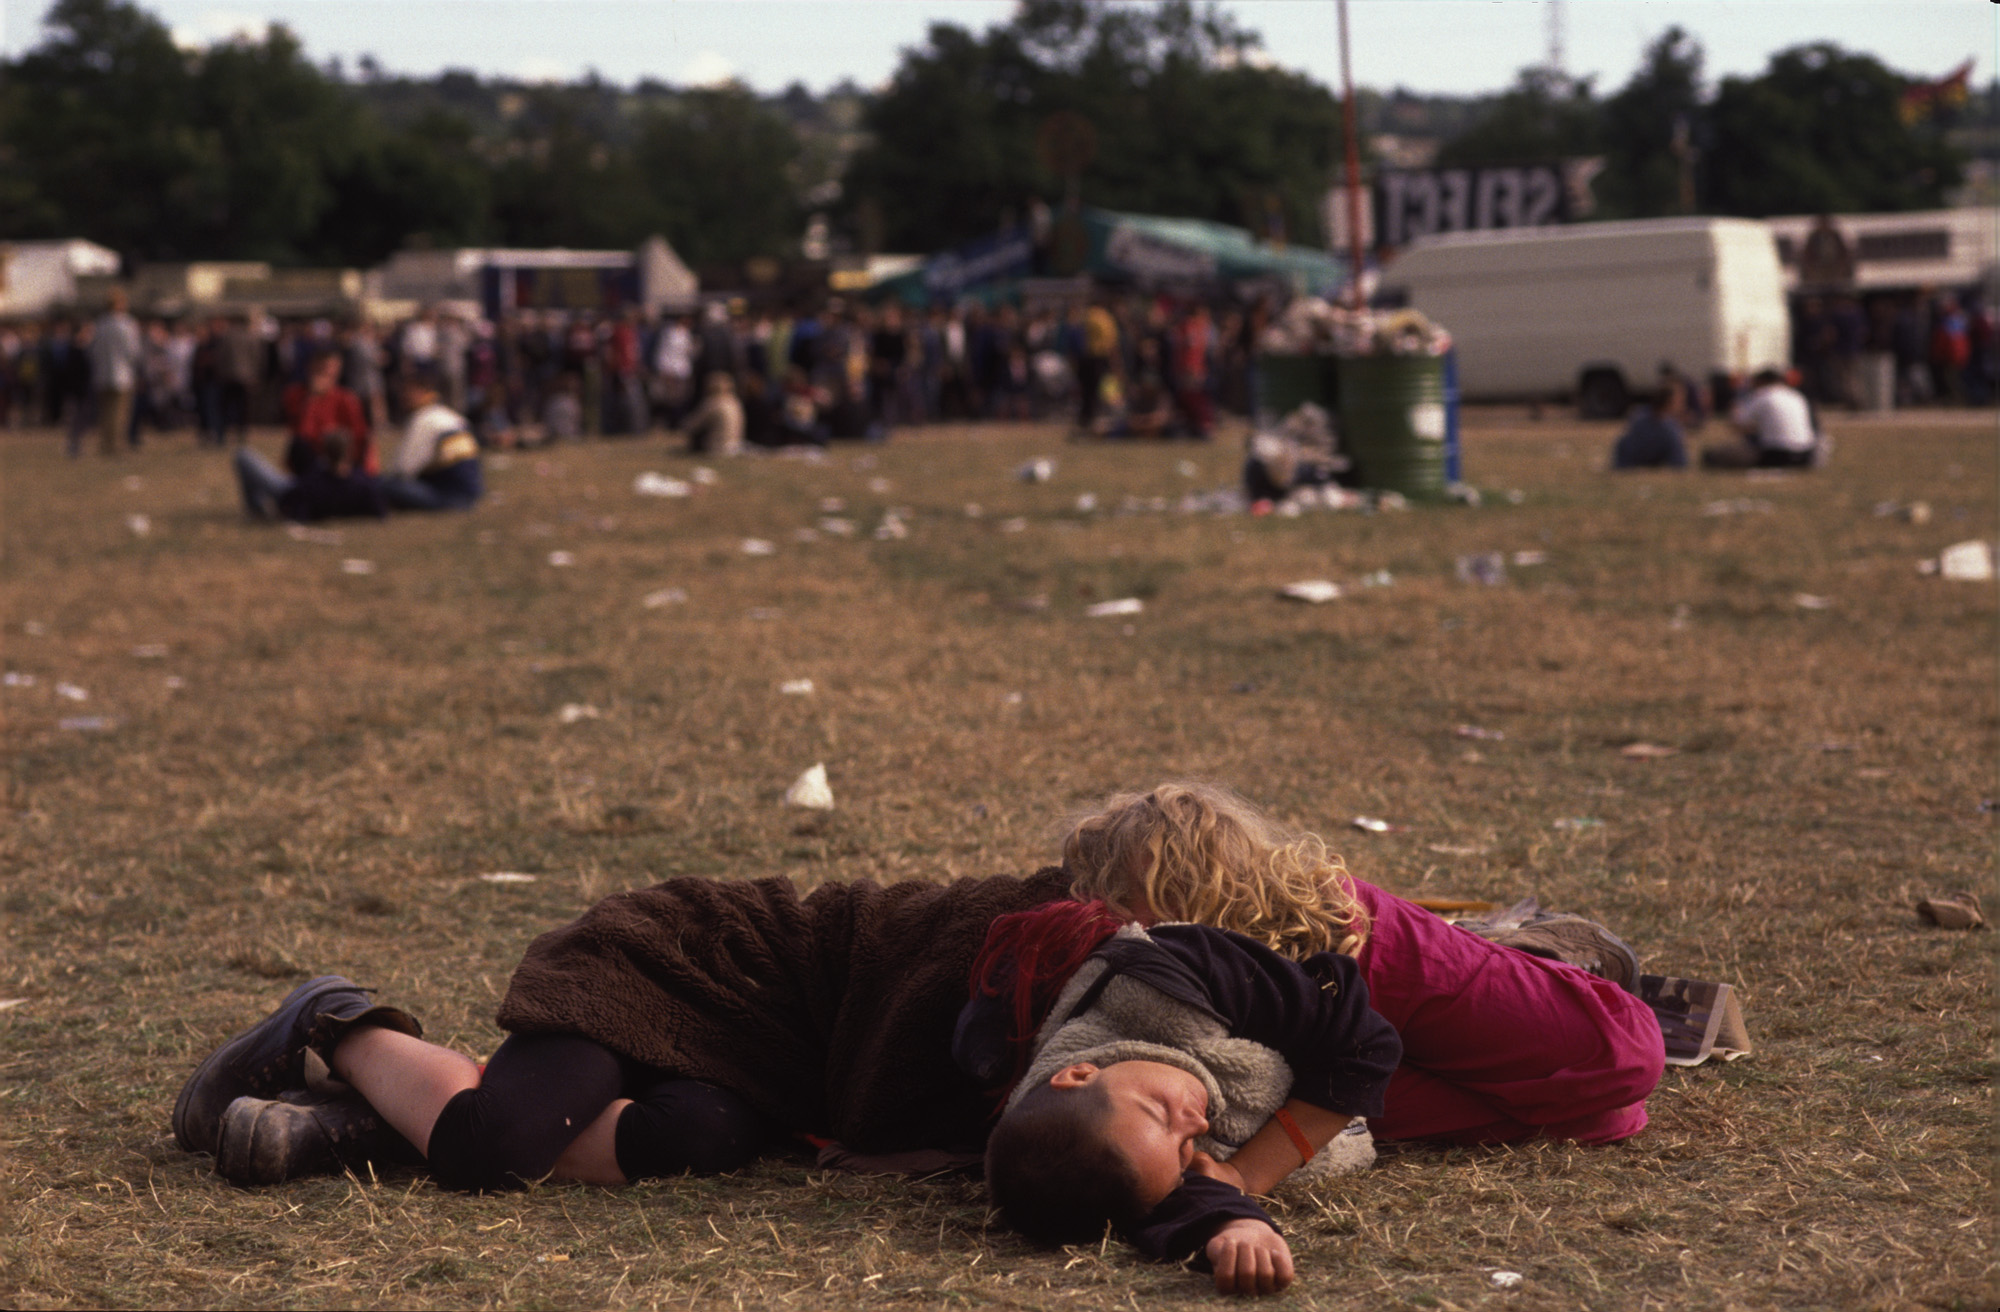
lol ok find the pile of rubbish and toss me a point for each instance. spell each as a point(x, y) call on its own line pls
point(1312, 326)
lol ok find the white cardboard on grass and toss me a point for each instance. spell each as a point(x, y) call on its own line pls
point(811, 790)
point(1122, 606)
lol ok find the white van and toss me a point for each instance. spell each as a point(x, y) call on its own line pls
point(1590, 311)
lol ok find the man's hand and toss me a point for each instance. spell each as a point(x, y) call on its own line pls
point(1203, 1164)
point(1249, 1258)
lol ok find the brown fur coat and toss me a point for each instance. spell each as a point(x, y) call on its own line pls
point(832, 1013)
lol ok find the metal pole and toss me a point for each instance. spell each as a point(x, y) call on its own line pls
point(1353, 167)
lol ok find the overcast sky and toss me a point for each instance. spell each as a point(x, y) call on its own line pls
point(1454, 46)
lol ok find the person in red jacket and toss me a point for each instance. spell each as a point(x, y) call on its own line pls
point(320, 406)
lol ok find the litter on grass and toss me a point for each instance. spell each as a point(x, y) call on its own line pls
point(1370, 824)
point(1647, 751)
point(1122, 606)
point(796, 687)
point(1311, 591)
point(352, 566)
point(70, 692)
point(1488, 568)
point(1963, 562)
point(1086, 503)
point(8, 1004)
point(140, 525)
point(665, 597)
point(758, 547)
point(811, 790)
point(507, 877)
point(17, 679)
point(650, 484)
point(1039, 470)
point(1808, 601)
point(574, 711)
point(1473, 731)
point(891, 529)
point(1736, 506)
point(1524, 559)
point(1952, 911)
point(1506, 1279)
point(561, 559)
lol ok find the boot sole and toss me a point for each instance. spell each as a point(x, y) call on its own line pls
point(184, 1131)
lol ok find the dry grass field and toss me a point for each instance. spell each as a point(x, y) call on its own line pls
point(301, 769)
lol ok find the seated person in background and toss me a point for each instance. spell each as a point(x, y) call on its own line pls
point(318, 406)
point(330, 484)
point(1777, 426)
point(562, 413)
point(760, 411)
point(716, 426)
point(1694, 396)
point(437, 466)
point(799, 409)
point(1149, 406)
point(1653, 439)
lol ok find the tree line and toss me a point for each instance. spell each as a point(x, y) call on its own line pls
point(248, 150)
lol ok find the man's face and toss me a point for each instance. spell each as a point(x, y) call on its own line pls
point(1154, 1114)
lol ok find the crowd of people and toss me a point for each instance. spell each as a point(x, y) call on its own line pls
point(1941, 348)
point(1138, 366)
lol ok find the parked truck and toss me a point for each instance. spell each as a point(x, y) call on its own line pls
point(1589, 312)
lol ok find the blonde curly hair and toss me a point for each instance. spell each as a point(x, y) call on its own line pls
point(1198, 852)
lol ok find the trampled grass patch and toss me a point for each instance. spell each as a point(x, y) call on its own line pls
point(299, 768)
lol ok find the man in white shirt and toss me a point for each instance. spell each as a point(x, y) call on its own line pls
point(437, 465)
point(1777, 426)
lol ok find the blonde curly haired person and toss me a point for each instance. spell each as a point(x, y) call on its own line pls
point(1498, 1045)
point(1198, 852)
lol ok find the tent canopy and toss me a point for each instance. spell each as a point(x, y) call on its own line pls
point(1143, 250)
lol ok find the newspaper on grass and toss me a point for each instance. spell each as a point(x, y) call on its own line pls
point(1698, 1019)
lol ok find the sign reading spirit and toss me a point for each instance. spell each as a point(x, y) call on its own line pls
point(1413, 203)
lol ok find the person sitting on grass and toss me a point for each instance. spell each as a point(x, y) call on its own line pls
point(1776, 429)
point(331, 461)
point(437, 466)
point(330, 466)
point(1654, 439)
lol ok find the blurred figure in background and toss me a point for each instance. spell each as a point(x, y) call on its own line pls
point(116, 353)
point(1653, 439)
point(1777, 428)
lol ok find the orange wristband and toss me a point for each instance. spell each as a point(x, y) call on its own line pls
point(1295, 1134)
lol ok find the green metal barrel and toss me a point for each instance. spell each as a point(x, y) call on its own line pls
point(1286, 382)
point(1393, 422)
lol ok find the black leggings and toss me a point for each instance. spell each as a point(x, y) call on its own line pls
point(541, 1090)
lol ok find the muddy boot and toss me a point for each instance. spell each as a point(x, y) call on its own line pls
point(266, 1141)
point(269, 1057)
